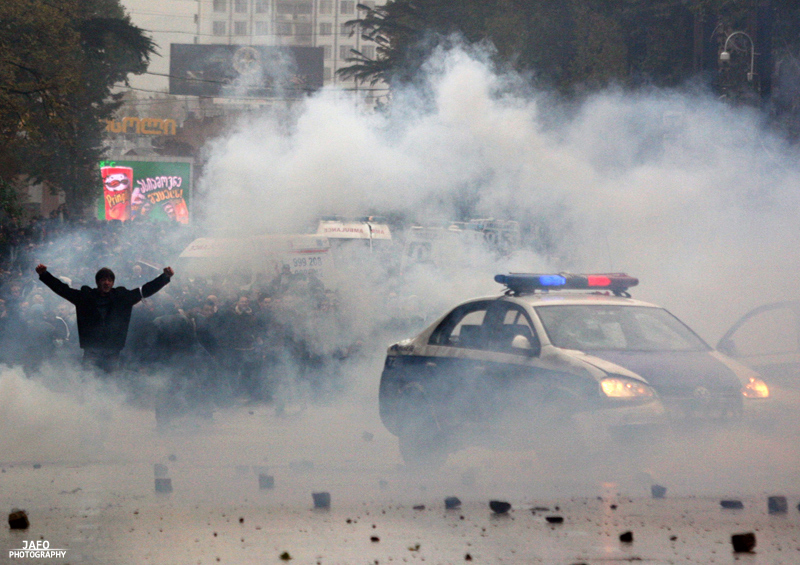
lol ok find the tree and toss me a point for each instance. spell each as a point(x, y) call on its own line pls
point(576, 46)
point(59, 61)
point(562, 43)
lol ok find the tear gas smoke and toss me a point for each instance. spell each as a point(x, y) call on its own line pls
point(692, 196)
point(675, 187)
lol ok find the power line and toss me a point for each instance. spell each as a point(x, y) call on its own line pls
point(187, 97)
point(187, 1)
point(171, 15)
point(185, 78)
point(248, 37)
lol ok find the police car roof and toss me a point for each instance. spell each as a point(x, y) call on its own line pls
point(577, 298)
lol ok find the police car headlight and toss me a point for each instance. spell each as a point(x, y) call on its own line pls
point(755, 388)
point(620, 387)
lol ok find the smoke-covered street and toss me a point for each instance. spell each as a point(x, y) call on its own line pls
point(87, 470)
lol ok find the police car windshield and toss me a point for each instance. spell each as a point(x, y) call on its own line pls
point(599, 327)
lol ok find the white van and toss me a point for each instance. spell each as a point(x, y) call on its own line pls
point(372, 230)
point(439, 246)
point(263, 256)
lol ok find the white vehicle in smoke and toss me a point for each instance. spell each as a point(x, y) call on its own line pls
point(560, 361)
point(264, 255)
point(437, 245)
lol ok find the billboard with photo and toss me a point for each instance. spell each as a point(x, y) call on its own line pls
point(244, 70)
point(153, 190)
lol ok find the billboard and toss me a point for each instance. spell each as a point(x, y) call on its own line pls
point(153, 190)
point(244, 70)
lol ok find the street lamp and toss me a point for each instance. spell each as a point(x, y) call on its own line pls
point(726, 56)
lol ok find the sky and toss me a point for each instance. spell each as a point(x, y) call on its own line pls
point(166, 22)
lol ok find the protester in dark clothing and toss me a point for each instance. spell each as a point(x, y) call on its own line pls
point(239, 353)
point(209, 327)
point(40, 339)
point(13, 335)
point(103, 313)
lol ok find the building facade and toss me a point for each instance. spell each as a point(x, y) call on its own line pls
point(311, 23)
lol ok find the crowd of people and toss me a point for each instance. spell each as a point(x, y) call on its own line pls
point(220, 335)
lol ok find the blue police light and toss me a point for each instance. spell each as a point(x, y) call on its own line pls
point(552, 280)
point(532, 281)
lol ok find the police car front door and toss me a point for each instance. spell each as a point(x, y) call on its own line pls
point(486, 349)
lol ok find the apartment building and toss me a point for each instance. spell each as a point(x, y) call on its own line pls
point(310, 23)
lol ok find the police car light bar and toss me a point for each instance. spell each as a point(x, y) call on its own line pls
point(520, 283)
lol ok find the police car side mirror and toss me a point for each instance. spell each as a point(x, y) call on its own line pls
point(523, 345)
point(727, 347)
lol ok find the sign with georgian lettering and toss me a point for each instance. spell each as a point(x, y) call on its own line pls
point(145, 190)
point(142, 126)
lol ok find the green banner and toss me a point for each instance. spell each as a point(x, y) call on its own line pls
point(138, 190)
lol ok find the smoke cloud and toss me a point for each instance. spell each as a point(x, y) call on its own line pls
point(695, 197)
point(691, 195)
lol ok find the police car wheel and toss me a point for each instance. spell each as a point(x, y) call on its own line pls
point(422, 452)
point(421, 440)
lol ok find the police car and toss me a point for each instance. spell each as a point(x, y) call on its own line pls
point(555, 361)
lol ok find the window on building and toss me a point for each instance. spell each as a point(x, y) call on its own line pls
point(304, 8)
point(240, 6)
point(325, 6)
point(327, 73)
point(262, 28)
point(302, 29)
point(347, 7)
point(239, 28)
point(219, 28)
point(282, 28)
point(220, 5)
point(344, 51)
point(262, 7)
point(284, 8)
point(327, 52)
point(345, 29)
point(326, 28)
point(368, 51)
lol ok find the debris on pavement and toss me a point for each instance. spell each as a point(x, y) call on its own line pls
point(321, 499)
point(658, 491)
point(163, 485)
point(18, 519)
point(499, 506)
point(743, 543)
point(777, 505)
point(266, 481)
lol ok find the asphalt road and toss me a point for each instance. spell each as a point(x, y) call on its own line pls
point(83, 465)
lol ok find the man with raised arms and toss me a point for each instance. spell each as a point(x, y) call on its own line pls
point(103, 313)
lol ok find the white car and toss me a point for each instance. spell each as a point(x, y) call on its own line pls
point(557, 359)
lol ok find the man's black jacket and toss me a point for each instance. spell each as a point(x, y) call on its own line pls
point(96, 330)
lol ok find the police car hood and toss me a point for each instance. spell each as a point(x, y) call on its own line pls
point(676, 373)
